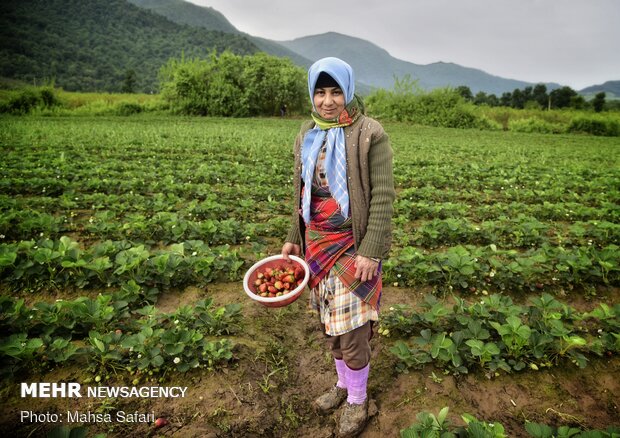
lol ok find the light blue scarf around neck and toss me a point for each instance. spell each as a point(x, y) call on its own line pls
point(333, 136)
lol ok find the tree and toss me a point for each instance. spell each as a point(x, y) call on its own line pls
point(129, 83)
point(518, 99)
point(506, 99)
point(598, 103)
point(539, 94)
point(480, 98)
point(465, 92)
point(561, 97)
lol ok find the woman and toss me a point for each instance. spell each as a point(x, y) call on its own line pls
point(344, 191)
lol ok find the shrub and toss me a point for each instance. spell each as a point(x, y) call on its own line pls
point(232, 85)
point(24, 102)
point(442, 107)
point(128, 108)
point(532, 124)
point(595, 126)
point(48, 97)
point(28, 99)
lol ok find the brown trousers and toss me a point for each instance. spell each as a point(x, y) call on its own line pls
point(353, 346)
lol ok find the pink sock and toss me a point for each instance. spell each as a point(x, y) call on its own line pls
point(341, 369)
point(356, 384)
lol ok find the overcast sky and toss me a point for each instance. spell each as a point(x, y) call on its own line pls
point(572, 42)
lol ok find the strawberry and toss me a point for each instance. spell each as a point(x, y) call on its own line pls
point(278, 285)
point(272, 290)
point(263, 287)
point(160, 422)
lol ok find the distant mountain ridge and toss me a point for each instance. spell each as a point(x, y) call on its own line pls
point(90, 45)
point(611, 88)
point(374, 66)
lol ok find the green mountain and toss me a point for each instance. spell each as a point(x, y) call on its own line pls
point(376, 68)
point(610, 88)
point(92, 44)
point(183, 12)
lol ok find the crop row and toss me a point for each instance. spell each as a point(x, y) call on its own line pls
point(62, 263)
point(112, 332)
point(162, 227)
point(218, 181)
point(518, 232)
point(480, 268)
point(495, 334)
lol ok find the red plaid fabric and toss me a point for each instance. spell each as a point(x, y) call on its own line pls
point(330, 245)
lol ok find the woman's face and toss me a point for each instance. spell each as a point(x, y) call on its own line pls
point(329, 101)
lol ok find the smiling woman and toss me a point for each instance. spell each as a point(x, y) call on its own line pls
point(344, 191)
point(328, 97)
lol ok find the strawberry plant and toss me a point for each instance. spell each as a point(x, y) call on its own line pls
point(495, 334)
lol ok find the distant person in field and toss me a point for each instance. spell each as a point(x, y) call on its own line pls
point(344, 190)
point(283, 110)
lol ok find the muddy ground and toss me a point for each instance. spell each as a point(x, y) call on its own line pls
point(282, 365)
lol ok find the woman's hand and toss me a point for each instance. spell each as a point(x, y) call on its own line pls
point(365, 268)
point(290, 249)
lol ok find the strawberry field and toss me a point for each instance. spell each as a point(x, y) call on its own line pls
point(124, 241)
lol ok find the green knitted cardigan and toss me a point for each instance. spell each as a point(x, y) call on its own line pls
point(370, 180)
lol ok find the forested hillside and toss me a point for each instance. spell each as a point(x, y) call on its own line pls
point(184, 12)
point(95, 44)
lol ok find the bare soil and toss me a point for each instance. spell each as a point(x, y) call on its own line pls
point(282, 365)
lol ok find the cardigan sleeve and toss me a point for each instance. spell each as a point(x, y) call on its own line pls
point(377, 240)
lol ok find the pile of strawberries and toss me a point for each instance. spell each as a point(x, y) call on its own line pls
point(277, 281)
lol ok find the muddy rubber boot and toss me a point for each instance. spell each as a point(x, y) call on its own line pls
point(331, 400)
point(353, 419)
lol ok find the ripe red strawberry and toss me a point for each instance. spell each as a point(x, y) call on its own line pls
point(272, 290)
point(278, 285)
point(263, 287)
point(161, 422)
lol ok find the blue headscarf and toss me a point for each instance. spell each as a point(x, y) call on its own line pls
point(335, 157)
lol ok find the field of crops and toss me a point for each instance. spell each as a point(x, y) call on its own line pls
point(123, 242)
